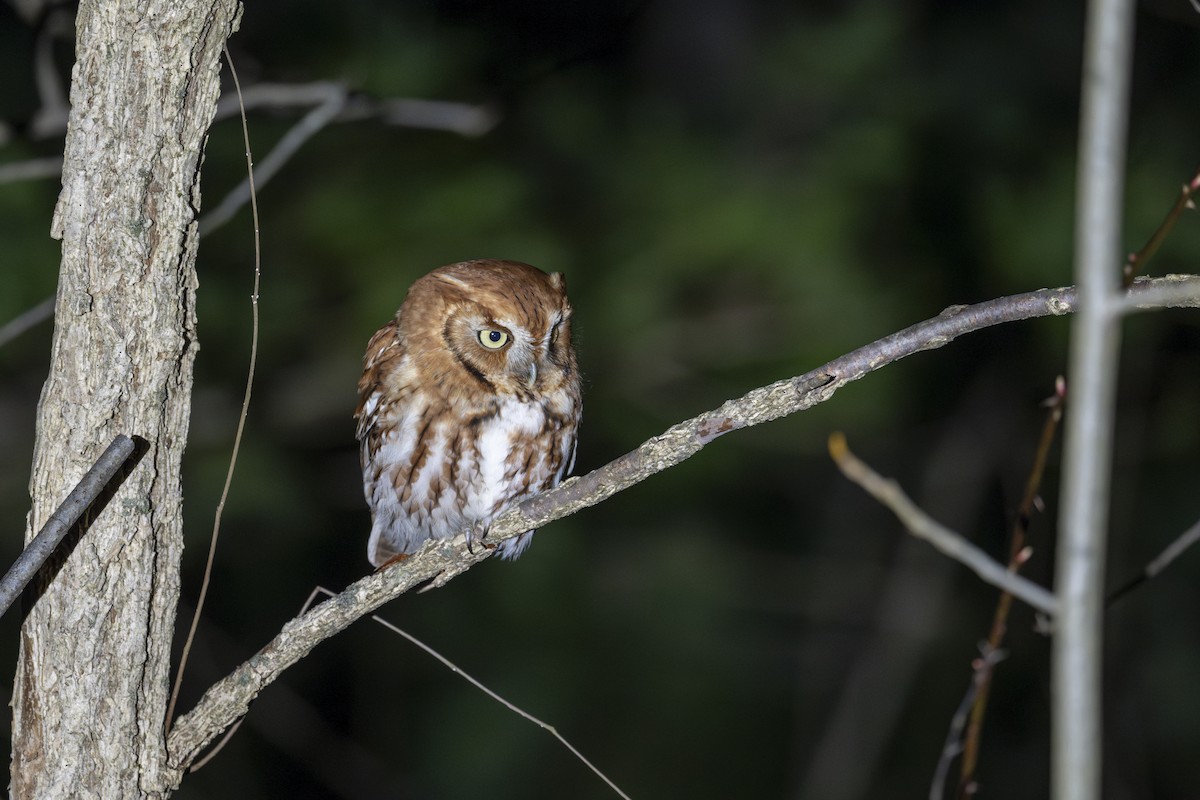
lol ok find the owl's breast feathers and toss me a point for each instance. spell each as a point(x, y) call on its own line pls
point(435, 463)
point(436, 472)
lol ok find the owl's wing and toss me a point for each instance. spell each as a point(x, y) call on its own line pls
point(383, 352)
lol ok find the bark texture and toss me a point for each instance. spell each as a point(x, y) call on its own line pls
point(92, 678)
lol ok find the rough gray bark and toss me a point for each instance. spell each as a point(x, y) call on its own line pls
point(92, 678)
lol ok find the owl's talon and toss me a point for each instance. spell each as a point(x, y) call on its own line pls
point(475, 537)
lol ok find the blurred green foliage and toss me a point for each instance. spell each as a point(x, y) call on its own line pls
point(737, 193)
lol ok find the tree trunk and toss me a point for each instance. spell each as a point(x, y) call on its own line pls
point(92, 678)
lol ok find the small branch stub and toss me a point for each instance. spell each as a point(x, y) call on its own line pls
point(95, 481)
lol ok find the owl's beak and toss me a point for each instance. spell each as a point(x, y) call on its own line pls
point(532, 374)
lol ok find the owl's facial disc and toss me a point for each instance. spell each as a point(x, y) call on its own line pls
point(522, 357)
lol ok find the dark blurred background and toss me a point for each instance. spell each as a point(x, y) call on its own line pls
point(737, 192)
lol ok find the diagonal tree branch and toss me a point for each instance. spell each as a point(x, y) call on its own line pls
point(440, 561)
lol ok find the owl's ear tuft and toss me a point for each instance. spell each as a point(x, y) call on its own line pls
point(558, 281)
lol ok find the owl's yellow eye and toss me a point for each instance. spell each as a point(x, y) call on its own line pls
point(493, 339)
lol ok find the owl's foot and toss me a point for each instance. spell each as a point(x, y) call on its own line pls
point(475, 537)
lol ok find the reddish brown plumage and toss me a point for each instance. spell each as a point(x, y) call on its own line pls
point(469, 401)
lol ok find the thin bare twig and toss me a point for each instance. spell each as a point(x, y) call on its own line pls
point(26, 319)
point(463, 119)
point(914, 595)
point(1163, 560)
point(202, 762)
point(457, 670)
point(923, 526)
point(981, 676)
point(1018, 555)
point(241, 426)
point(442, 560)
point(63, 519)
point(437, 115)
point(510, 706)
point(1077, 658)
point(1137, 261)
point(280, 95)
point(293, 140)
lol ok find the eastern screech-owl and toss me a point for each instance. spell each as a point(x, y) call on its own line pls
point(469, 401)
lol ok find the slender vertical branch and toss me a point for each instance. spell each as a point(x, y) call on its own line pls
point(1018, 555)
point(1095, 338)
point(245, 412)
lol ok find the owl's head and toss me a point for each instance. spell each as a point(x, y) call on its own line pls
point(501, 325)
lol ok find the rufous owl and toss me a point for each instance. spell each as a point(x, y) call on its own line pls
point(469, 402)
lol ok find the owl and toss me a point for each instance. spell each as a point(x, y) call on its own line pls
point(469, 402)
